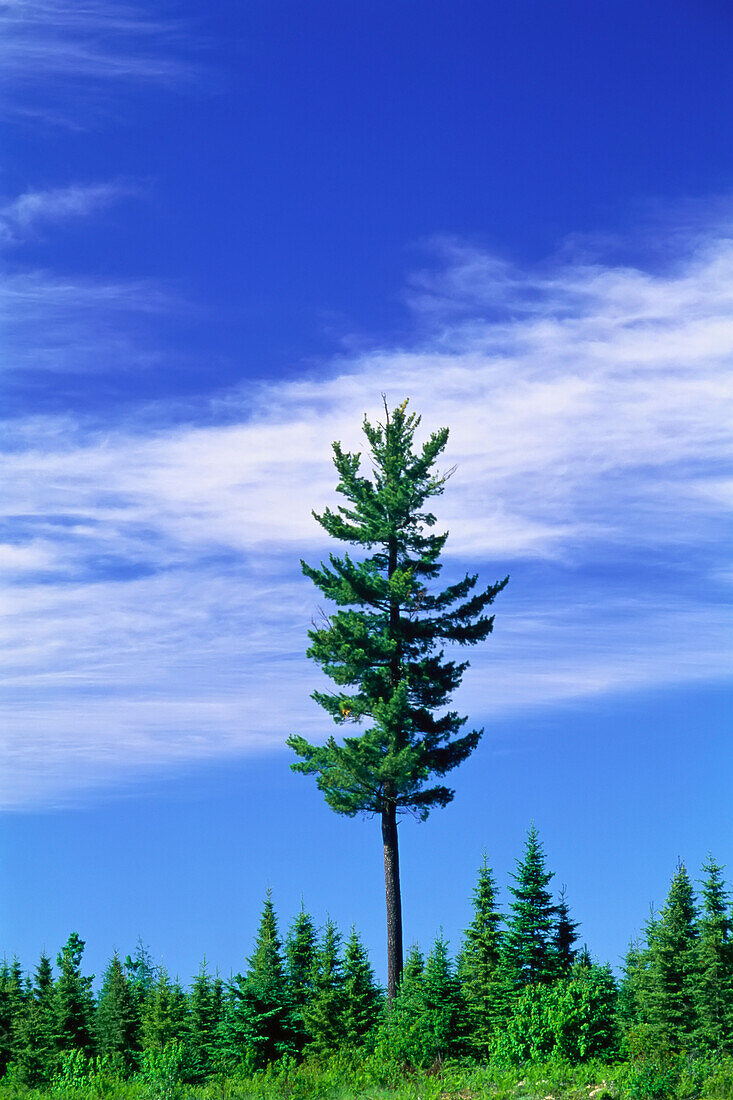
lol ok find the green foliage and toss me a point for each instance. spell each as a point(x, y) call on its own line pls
point(572, 1018)
point(381, 647)
point(162, 1071)
point(530, 948)
point(423, 1026)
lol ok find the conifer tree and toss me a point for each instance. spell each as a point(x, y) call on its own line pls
point(141, 974)
point(116, 1020)
point(381, 646)
point(74, 1000)
point(668, 995)
point(324, 1012)
point(12, 1004)
point(529, 940)
point(565, 935)
point(480, 971)
point(442, 1006)
point(35, 1056)
point(205, 1004)
point(301, 950)
point(362, 995)
point(714, 995)
point(260, 1024)
point(165, 1013)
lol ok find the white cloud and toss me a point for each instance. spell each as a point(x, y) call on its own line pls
point(22, 214)
point(58, 57)
point(590, 412)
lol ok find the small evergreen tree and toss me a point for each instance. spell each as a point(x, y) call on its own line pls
point(362, 995)
point(165, 1014)
point(323, 1014)
point(141, 974)
point(74, 1000)
point(423, 1025)
point(668, 994)
point(260, 1024)
point(12, 1006)
point(714, 995)
point(481, 975)
point(301, 950)
point(565, 935)
point(530, 949)
point(116, 1020)
point(442, 1006)
point(382, 647)
point(36, 1053)
point(205, 1005)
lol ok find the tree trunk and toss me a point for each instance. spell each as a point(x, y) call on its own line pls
point(394, 901)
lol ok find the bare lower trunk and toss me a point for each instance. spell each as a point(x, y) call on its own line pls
point(394, 901)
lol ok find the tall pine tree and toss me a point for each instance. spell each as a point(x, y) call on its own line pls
point(382, 646)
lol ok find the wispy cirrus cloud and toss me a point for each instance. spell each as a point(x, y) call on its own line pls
point(37, 208)
point(156, 609)
point(51, 51)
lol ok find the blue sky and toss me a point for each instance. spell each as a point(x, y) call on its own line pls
point(223, 234)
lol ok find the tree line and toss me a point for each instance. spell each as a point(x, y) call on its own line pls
point(520, 990)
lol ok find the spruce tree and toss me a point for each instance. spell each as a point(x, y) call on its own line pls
point(324, 1012)
point(141, 974)
point(673, 969)
point(382, 646)
point(529, 940)
point(565, 935)
point(362, 995)
point(116, 1019)
point(165, 1014)
point(480, 970)
point(442, 1015)
point(74, 1000)
point(714, 995)
point(301, 950)
point(12, 1005)
point(204, 1018)
point(260, 1024)
point(36, 1054)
